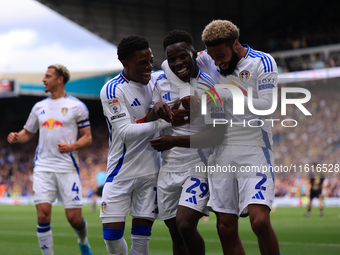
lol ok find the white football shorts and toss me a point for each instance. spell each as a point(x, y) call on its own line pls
point(48, 186)
point(136, 195)
point(242, 175)
point(180, 188)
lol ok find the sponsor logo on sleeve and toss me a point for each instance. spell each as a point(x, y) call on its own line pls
point(118, 116)
point(114, 106)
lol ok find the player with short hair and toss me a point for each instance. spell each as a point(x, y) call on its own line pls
point(237, 194)
point(181, 191)
point(132, 164)
point(56, 169)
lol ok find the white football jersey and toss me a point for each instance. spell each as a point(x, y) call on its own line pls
point(257, 70)
point(125, 101)
point(169, 93)
point(58, 121)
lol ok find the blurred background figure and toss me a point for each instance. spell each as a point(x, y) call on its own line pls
point(316, 183)
point(100, 180)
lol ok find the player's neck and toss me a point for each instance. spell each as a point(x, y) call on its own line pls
point(58, 94)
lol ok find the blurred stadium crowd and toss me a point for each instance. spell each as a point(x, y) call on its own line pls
point(316, 139)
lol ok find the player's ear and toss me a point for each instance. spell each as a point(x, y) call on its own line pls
point(125, 63)
point(235, 45)
point(194, 56)
point(61, 79)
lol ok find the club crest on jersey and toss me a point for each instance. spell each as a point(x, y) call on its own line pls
point(244, 75)
point(103, 206)
point(64, 110)
point(114, 106)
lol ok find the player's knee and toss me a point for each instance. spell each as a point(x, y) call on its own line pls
point(44, 217)
point(260, 224)
point(227, 228)
point(185, 227)
point(75, 222)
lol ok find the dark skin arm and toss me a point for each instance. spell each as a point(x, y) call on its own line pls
point(174, 115)
point(208, 138)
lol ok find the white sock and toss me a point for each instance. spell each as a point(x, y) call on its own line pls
point(140, 245)
point(82, 233)
point(46, 242)
point(116, 247)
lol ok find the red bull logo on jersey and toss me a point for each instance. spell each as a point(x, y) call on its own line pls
point(51, 124)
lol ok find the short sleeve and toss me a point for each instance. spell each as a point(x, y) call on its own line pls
point(32, 123)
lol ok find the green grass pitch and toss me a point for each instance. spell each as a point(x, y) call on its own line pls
point(297, 234)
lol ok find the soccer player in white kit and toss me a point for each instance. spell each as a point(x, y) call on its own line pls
point(227, 61)
point(56, 168)
point(241, 193)
point(182, 193)
point(132, 164)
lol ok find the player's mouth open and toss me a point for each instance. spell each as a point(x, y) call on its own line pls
point(182, 72)
point(224, 66)
point(147, 75)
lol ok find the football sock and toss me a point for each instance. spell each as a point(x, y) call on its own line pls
point(115, 243)
point(82, 232)
point(116, 247)
point(45, 238)
point(140, 236)
point(140, 245)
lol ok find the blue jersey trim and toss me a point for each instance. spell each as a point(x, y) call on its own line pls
point(76, 99)
point(117, 168)
point(207, 79)
point(266, 61)
point(267, 156)
point(36, 155)
point(74, 162)
point(202, 156)
point(110, 129)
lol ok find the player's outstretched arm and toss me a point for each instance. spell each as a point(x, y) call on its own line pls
point(22, 137)
point(84, 141)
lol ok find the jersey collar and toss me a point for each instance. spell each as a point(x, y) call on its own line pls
point(248, 50)
point(124, 77)
point(198, 73)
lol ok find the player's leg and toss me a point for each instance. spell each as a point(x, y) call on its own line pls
point(44, 231)
point(227, 227)
point(178, 247)
point(187, 220)
point(113, 236)
point(144, 211)
point(224, 200)
point(260, 223)
point(191, 207)
point(320, 205)
point(70, 194)
point(169, 188)
point(116, 203)
point(309, 206)
point(140, 236)
point(256, 194)
point(44, 187)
